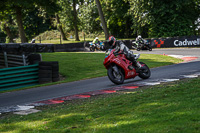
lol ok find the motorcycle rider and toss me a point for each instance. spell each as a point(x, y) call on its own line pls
point(139, 40)
point(119, 46)
point(96, 41)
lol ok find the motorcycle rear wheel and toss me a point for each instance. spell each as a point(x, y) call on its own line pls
point(146, 73)
point(114, 77)
point(138, 49)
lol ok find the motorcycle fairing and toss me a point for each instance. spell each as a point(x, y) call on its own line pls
point(122, 62)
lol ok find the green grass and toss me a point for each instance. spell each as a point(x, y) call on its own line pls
point(57, 41)
point(159, 109)
point(77, 66)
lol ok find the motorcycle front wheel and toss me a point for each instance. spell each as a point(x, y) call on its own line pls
point(117, 78)
point(145, 73)
point(92, 48)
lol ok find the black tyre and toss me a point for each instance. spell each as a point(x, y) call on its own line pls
point(90, 48)
point(34, 58)
point(44, 71)
point(45, 80)
point(48, 63)
point(114, 77)
point(150, 49)
point(55, 79)
point(55, 75)
point(138, 49)
point(93, 48)
point(45, 68)
point(44, 63)
point(46, 75)
point(144, 73)
point(55, 68)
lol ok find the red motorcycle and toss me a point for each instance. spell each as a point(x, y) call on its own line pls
point(119, 68)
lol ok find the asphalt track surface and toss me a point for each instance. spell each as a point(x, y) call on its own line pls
point(175, 71)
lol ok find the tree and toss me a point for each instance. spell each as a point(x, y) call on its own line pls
point(8, 32)
point(22, 35)
point(75, 20)
point(68, 16)
point(89, 18)
point(118, 18)
point(37, 21)
point(18, 6)
point(102, 19)
point(2, 36)
point(116, 14)
point(60, 27)
point(6, 24)
point(166, 18)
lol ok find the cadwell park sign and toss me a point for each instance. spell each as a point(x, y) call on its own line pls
point(186, 41)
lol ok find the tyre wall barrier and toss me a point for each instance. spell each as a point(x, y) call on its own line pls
point(48, 72)
point(18, 77)
point(71, 47)
point(25, 48)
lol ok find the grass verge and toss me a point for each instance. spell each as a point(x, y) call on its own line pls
point(164, 108)
point(57, 41)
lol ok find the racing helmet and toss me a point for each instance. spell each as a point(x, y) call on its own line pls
point(97, 38)
point(112, 41)
point(139, 36)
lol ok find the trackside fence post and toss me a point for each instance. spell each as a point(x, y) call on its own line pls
point(5, 60)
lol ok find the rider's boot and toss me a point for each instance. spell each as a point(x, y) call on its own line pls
point(135, 64)
point(139, 67)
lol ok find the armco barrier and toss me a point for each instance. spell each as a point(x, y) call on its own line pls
point(70, 47)
point(18, 77)
point(11, 60)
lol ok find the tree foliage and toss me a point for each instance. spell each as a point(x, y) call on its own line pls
point(89, 18)
point(16, 9)
point(69, 17)
point(118, 17)
point(124, 18)
point(166, 18)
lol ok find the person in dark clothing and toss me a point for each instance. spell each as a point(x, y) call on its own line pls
point(139, 39)
point(120, 47)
